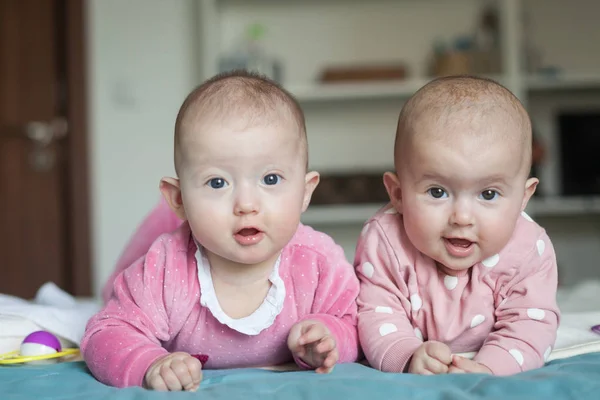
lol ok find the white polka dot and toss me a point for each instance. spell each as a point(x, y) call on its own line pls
point(536, 313)
point(477, 320)
point(387, 328)
point(368, 270)
point(517, 355)
point(384, 310)
point(391, 211)
point(416, 302)
point(418, 333)
point(541, 246)
point(526, 216)
point(547, 353)
point(450, 282)
point(491, 261)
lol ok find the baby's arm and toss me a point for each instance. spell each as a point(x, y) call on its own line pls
point(124, 339)
point(334, 302)
point(386, 333)
point(527, 317)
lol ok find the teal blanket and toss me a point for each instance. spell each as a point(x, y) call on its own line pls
point(571, 378)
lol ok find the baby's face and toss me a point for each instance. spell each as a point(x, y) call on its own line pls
point(462, 193)
point(244, 187)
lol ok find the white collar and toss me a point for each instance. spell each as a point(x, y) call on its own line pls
point(254, 323)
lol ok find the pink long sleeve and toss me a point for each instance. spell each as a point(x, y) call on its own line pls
point(334, 302)
point(160, 220)
point(387, 334)
point(526, 317)
point(126, 337)
point(504, 308)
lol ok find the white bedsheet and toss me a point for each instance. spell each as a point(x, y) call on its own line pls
point(58, 312)
point(52, 309)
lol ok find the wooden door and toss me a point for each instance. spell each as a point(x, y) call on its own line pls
point(44, 220)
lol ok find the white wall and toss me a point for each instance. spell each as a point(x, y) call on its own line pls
point(143, 61)
point(142, 65)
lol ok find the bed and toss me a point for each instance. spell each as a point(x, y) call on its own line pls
point(576, 377)
point(572, 373)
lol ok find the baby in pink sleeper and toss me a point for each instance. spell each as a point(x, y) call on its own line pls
point(453, 264)
point(241, 280)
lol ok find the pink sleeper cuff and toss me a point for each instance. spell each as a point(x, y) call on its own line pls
point(396, 358)
point(500, 361)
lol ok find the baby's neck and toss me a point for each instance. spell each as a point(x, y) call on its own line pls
point(452, 272)
point(241, 275)
point(240, 288)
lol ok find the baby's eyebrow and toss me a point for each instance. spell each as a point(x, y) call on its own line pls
point(500, 179)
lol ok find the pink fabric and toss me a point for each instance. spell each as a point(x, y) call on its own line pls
point(160, 220)
point(504, 307)
point(156, 309)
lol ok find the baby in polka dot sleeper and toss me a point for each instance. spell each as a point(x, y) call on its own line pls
point(453, 264)
point(240, 283)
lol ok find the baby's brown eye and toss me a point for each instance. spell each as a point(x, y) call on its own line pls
point(437, 193)
point(489, 194)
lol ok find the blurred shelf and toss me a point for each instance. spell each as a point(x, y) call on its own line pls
point(356, 91)
point(563, 82)
point(564, 206)
point(340, 214)
point(337, 91)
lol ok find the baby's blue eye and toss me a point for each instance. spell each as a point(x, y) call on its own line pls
point(217, 183)
point(271, 179)
point(489, 194)
point(437, 193)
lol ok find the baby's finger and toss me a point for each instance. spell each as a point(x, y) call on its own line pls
point(180, 368)
point(194, 366)
point(441, 352)
point(326, 345)
point(435, 366)
point(171, 380)
point(331, 359)
point(157, 383)
point(314, 333)
point(465, 364)
point(455, 370)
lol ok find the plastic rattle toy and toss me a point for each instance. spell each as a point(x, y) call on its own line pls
point(37, 346)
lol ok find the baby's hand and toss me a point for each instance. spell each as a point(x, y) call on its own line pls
point(174, 372)
point(431, 358)
point(461, 365)
point(312, 342)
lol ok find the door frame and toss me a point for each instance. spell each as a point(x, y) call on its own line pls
point(78, 268)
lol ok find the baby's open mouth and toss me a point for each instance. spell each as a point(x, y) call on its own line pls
point(248, 232)
point(460, 242)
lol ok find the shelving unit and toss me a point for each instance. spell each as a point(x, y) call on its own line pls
point(402, 90)
point(326, 103)
point(538, 207)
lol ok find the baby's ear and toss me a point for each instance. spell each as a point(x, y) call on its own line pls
point(392, 185)
point(311, 180)
point(530, 186)
point(171, 191)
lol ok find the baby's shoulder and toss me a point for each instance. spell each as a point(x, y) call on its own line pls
point(384, 233)
point(526, 250)
point(179, 240)
point(313, 249)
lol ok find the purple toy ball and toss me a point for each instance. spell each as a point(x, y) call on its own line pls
point(40, 342)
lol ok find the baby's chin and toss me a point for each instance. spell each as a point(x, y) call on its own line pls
point(453, 268)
